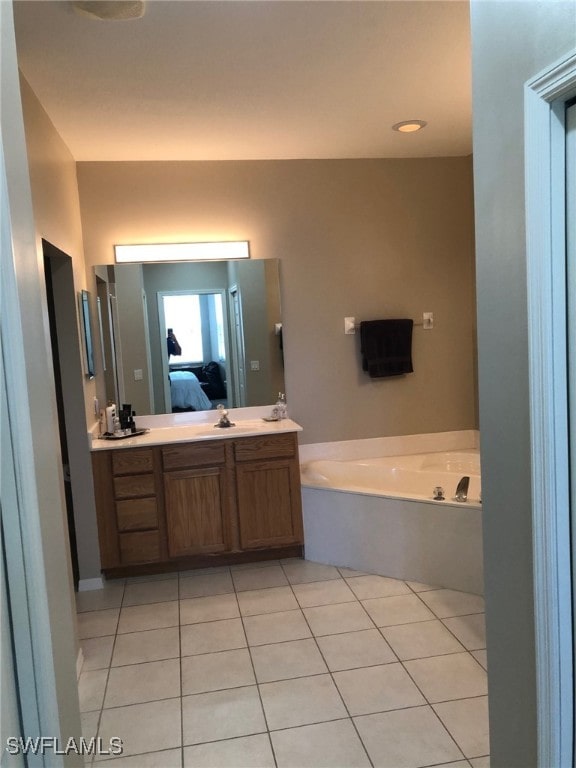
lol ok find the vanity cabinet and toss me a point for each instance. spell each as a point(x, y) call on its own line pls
point(198, 503)
point(196, 498)
point(128, 507)
point(268, 491)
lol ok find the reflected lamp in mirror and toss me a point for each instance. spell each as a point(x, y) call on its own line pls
point(155, 252)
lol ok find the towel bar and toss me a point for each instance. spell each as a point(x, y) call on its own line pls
point(415, 322)
point(351, 326)
point(356, 326)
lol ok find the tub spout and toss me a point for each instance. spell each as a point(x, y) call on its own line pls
point(462, 489)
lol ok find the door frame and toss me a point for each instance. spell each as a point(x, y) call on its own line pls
point(544, 98)
point(238, 363)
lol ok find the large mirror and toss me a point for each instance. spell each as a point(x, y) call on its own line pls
point(188, 336)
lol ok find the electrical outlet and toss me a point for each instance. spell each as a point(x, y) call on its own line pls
point(96, 407)
point(428, 320)
point(254, 365)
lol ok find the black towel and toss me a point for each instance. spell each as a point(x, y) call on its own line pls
point(386, 347)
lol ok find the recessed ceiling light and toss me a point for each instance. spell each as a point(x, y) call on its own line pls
point(409, 126)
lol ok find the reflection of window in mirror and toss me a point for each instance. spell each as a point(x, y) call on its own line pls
point(197, 322)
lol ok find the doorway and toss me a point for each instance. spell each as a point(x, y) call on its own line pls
point(194, 334)
point(238, 353)
point(59, 283)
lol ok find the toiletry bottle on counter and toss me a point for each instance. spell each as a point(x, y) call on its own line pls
point(110, 418)
point(281, 405)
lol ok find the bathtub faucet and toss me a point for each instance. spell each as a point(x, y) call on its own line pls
point(462, 489)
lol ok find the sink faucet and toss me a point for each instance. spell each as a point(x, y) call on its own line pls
point(462, 489)
point(223, 421)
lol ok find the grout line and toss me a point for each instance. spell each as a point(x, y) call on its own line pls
point(334, 681)
point(181, 677)
point(99, 720)
point(249, 649)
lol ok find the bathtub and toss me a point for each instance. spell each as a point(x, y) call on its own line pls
point(376, 513)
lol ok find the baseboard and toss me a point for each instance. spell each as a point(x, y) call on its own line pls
point(86, 585)
point(79, 663)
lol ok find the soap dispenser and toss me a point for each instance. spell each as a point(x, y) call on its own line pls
point(281, 406)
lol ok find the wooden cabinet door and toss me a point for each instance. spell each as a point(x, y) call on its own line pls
point(197, 517)
point(269, 503)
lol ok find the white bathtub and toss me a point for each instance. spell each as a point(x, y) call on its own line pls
point(407, 477)
point(377, 513)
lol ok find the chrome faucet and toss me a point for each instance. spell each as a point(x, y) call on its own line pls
point(223, 421)
point(462, 489)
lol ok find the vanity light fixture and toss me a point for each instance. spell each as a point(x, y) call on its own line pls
point(410, 126)
point(231, 249)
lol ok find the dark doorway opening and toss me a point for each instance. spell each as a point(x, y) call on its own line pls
point(58, 266)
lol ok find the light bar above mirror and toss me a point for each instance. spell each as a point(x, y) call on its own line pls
point(157, 252)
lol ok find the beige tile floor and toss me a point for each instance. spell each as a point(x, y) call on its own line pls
point(287, 663)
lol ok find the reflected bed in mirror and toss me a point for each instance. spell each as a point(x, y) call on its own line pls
point(224, 318)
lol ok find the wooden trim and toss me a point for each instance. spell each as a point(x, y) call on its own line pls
point(233, 526)
point(161, 504)
point(205, 561)
point(105, 508)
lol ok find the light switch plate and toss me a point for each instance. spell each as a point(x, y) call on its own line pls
point(349, 325)
point(138, 375)
point(428, 320)
point(254, 365)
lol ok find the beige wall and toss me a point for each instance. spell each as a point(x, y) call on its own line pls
point(55, 196)
point(368, 238)
point(57, 220)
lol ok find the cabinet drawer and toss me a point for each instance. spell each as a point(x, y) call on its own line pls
point(142, 547)
point(136, 514)
point(133, 486)
point(265, 447)
point(130, 462)
point(193, 455)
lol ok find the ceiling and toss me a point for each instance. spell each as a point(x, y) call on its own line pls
point(252, 79)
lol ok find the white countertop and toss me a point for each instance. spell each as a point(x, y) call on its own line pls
point(195, 430)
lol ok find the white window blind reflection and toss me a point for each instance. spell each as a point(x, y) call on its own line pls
point(182, 314)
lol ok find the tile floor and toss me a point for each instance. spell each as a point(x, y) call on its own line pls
point(286, 663)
